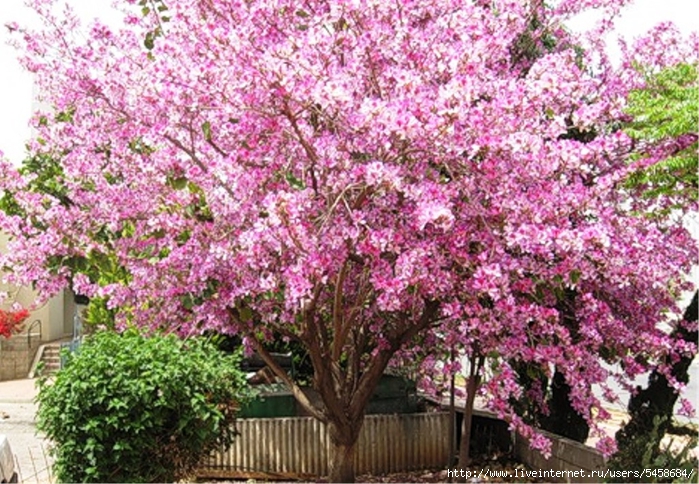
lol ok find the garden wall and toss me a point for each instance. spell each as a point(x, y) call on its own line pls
point(16, 356)
point(566, 455)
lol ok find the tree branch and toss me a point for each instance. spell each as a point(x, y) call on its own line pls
point(340, 329)
point(198, 162)
point(301, 397)
point(371, 376)
point(308, 148)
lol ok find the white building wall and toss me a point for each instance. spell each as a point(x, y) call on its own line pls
point(51, 314)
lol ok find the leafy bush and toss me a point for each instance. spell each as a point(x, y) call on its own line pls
point(130, 408)
point(660, 462)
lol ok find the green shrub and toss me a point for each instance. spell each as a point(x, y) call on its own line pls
point(658, 462)
point(129, 408)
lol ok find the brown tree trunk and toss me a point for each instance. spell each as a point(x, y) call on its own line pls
point(657, 400)
point(563, 419)
point(471, 389)
point(343, 440)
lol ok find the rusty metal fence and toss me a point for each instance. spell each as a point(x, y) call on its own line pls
point(299, 447)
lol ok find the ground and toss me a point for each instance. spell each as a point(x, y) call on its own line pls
point(17, 410)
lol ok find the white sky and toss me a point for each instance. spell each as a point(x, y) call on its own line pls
point(16, 85)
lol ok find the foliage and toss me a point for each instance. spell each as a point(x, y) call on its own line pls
point(664, 118)
point(46, 181)
point(130, 408)
point(46, 178)
point(351, 176)
point(658, 462)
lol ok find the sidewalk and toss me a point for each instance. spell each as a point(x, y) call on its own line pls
point(18, 391)
point(17, 410)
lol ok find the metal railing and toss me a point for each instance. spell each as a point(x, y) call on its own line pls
point(36, 322)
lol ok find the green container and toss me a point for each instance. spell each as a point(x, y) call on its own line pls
point(393, 394)
point(272, 401)
point(394, 386)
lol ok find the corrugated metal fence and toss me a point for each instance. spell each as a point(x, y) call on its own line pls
point(299, 446)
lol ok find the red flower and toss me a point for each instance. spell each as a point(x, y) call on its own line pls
point(10, 321)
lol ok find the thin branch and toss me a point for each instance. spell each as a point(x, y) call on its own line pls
point(215, 147)
point(340, 329)
point(198, 162)
point(308, 148)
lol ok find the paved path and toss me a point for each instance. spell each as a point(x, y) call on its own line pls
point(17, 409)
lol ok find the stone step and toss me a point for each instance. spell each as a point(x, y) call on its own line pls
point(51, 359)
point(49, 370)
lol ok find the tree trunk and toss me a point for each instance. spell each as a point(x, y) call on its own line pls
point(464, 447)
point(659, 398)
point(563, 419)
point(343, 440)
point(471, 389)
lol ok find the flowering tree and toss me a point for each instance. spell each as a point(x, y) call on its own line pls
point(348, 175)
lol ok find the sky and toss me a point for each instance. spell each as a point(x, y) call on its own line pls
point(16, 84)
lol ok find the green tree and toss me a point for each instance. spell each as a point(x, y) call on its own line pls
point(664, 119)
point(47, 181)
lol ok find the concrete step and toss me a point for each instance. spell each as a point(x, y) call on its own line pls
point(51, 359)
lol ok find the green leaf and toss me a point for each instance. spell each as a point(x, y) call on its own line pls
point(178, 183)
point(206, 129)
point(149, 41)
point(294, 182)
point(575, 276)
point(245, 314)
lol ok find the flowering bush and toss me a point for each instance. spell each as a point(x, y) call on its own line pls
point(11, 320)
